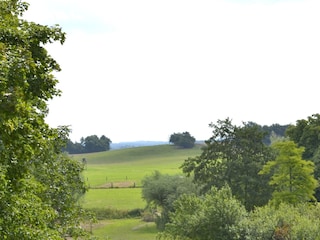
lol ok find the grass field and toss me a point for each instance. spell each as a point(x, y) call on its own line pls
point(118, 198)
point(132, 164)
point(127, 167)
point(125, 229)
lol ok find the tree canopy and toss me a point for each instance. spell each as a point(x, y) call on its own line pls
point(39, 185)
point(290, 174)
point(88, 145)
point(184, 140)
point(306, 133)
point(213, 216)
point(161, 190)
point(233, 155)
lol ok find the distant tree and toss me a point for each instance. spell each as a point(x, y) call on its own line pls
point(161, 190)
point(291, 176)
point(105, 142)
point(234, 155)
point(73, 148)
point(184, 140)
point(275, 131)
point(88, 145)
point(94, 144)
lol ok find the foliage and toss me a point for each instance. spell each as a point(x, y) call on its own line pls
point(113, 213)
point(291, 175)
point(88, 145)
point(306, 133)
point(234, 155)
point(285, 222)
point(274, 131)
point(39, 185)
point(213, 216)
point(184, 140)
point(161, 190)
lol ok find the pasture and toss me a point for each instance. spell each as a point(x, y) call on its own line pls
point(130, 165)
point(114, 178)
point(125, 229)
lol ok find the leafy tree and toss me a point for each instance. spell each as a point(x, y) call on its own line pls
point(94, 144)
point(184, 140)
point(161, 190)
point(306, 133)
point(292, 176)
point(39, 186)
point(73, 148)
point(234, 155)
point(213, 216)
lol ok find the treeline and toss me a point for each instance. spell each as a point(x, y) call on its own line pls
point(88, 145)
point(185, 140)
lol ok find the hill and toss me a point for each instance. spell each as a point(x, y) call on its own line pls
point(146, 155)
point(127, 167)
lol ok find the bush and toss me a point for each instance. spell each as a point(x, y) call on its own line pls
point(212, 216)
point(285, 222)
point(112, 213)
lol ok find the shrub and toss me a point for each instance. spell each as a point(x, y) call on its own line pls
point(112, 213)
point(285, 222)
point(212, 216)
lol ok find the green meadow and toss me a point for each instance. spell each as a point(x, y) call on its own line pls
point(114, 180)
point(130, 165)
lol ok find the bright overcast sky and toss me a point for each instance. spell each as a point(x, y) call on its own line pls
point(144, 69)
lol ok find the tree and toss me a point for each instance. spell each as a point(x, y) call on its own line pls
point(161, 190)
point(233, 155)
point(306, 133)
point(94, 144)
point(292, 176)
point(88, 145)
point(73, 148)
point(184, 140)
point(212, 216)
point(274, 131)
point(39, 185)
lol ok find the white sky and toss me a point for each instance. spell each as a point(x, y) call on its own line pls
point(144, 69)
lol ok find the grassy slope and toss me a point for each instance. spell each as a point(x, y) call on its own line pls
point(133, 164)
point(128, 165)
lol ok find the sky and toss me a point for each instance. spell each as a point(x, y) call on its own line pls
point(143, 69)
